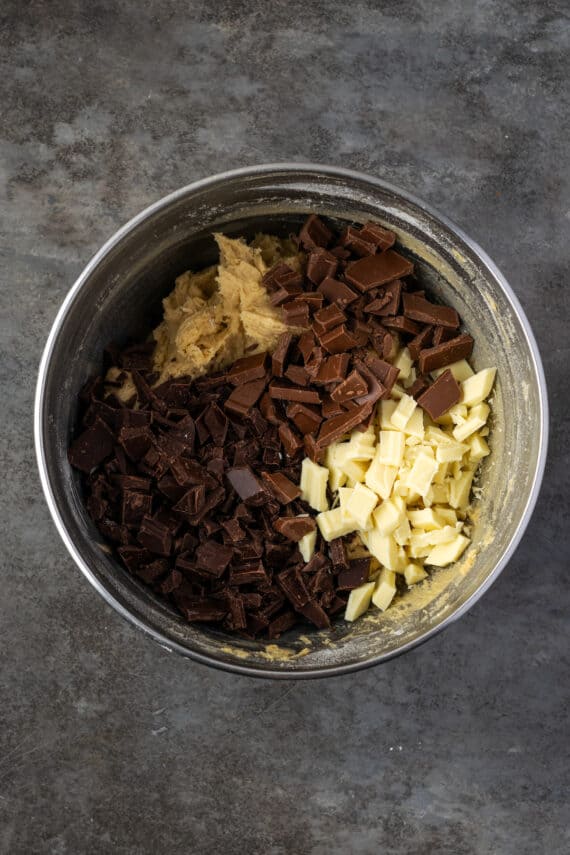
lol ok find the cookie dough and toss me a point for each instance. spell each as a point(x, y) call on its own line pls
point(217, 315)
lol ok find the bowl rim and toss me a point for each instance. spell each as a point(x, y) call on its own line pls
point(40, 442)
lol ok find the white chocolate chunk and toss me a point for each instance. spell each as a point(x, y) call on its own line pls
point(387, 408)
point(461, 370)
point(385, 589)
point(358, 601)
point(422, 472)
point(398, 391)
point(344, 495)
point(478, 448)
point(450, 453)
point(307, 545)
point(426, 519)
point(476, 419)
point(380, 478)
point(335, 523)
point(446, 515)
point(355, 471)
point(403, 362)
point(337, 478)
point(476, 388)
point(314, 479)
point(361, 504)
point(438, 494)
point(384, 548)
point(415, 424)
point(446, 553)
point(410, 379)
point(388, 517)
point(402, 413)
point(391, 450)
point(460, 489)
point(402, 533)
point(414, 573)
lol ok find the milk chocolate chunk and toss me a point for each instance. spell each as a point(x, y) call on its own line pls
point(333, 429)
point(375, 270)
point(446, 353)
point(333, 369)
point(314, 452)
point(244, 397)
point(279, 355)
point(320, 265)
point(328, 318)
point(297, 374)
point(419, 309)
point(306, 343)
point(247, 369)
point(305, 418)
point(91, 447)
point(338, 340)
point(444, 393)
point(246, 484)
point(352, 238)
point(213, 557)
point(337, 292)
point(331, 408)
point(375, 390)
point(422, 340)
point(296, 314)
point(381, 237)
point(401, 324)
point(353, 387)
point(314, 233)
point(441, 334)
point(417, 387)
point(294, 528)
point(283, 391)
point(386, 373)
point(292, 442)
point(281, 487)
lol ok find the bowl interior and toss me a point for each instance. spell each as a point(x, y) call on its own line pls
point(119, 297)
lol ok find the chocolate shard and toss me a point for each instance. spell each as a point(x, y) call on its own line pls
point(155, 536)
point(279, 356)
point(354, 386)
point(333, 369)
point(293, 586)
point(135, 506)
point(420, 341)
point(419, 309)
point(269, 411)
point(375, 390)
point(335, 428)
point(337, 292)
point(192, 502)
point(213, 557)
point(376, 270)
point(246, 484)
point(445, 353)
point(418, 386)
point(338, 340)
point(337, 554)
point(306, 344)
point(443, 393)
point(328, 318)
point(320, 265)
point(281, 487)
point(248, 574)
point(91, 447)
point(294, 528)
point(314, 452)
point(381, 237)
point(292, 442)
point(247, 369)
point(244, 397)
point(441, 334)
point(201, 610)
point(281, 624)
point(386, 373)
point(283, 391)
point(314, 233)
point(296, 314)
point(297, 374)
point(355, 575)
point(401, 324)
point(233, 530)
point(316, 614)
point(305, 418)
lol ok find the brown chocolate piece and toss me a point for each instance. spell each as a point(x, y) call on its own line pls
point(337, 292)
point(353, 387)
point(213, 557)
point(279, 355)
point(418, 386)
point(320, 265)
point(444, 354)
point(306, 343)
point(335, 428)
point(293, 587)
point(155, 536)
point(305, 418)
point(420, 341)
point(333, 369)
point(401, 324)
point(338, 555)
point(296, 313)
point(355, 575)
point(244, 397)
point(441, 334)
point(314, 452)
point(328, 318)
point(375, 389)
point(268, 410)
point(338, 340)
point(248, 574)
point(246, 484)
point(419, 309)
point(135, 506)
point(247, 369)
point(443, 393)
point(292, 442)
point(91, 447)
point(384, 371)
point(316, 614)
point(388, 300)
point(192, 502)
point(281, 624)
point(297, 374)
point(202, 610)
point(381, 237)
point(375, 270)
point(314, 233)
point(282, 488)
point(283, 391)
point(282, 276)
point(294, 528)
point(331, 408)
point(352, 238)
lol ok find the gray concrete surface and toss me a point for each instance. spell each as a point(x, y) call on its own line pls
point(107, 743)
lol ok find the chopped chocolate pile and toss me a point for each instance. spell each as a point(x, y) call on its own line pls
point(195, 481)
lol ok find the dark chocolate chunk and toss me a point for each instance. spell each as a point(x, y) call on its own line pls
point(203, 610)
point(192, 502)
point(315, 613)
point(243, 398)
point(281, 624)
point(355, 575)
point(314, 233)
point(91, 447)
point(445, 353)
point(337, 292)
point(246, 484)
point(335, 428)
point(294, 528)
point(292, 442)
point(293, 586)
point(375, 270)
point(338, 555)
point(247, 369)
point(248, 574)
point(213, 557)
point(155, 536)
point(443, 393)
point(279, 356)
point(135, 506)
point(281, 487)
point(419, 309)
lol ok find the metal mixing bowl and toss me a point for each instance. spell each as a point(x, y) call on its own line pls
point(118, 296)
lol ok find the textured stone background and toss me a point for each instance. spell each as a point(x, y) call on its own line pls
point(107, 743)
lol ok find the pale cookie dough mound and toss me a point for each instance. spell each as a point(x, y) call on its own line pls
point(217, 315)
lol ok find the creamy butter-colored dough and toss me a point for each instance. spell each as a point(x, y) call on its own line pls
point(219, 314)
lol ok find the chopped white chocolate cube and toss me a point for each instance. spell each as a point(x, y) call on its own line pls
point(361, 504)
point(387, 408)
point(402, 533)
point(387, 517)
point(421, 474)
point(336, 476)
point(414, 573)
point(380, 478)
point(391, 449)
point(478, 448)
point(307, 545)
point(427, 519)
point(476, 388)
point(355, 471)
point(358, 601)
point(384, 548)
point(335, 523)
point(446, 553)
point(460, 489)
point(446, 515)
point(476, 419)
point(450, 453)
point(403, 362)
point(415, 424)
point(402, 413)
point(461, 370)
point(385, 589)
point(438, 494)
point(314, 479)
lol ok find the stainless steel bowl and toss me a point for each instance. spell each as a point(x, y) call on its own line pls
point(118, 296)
